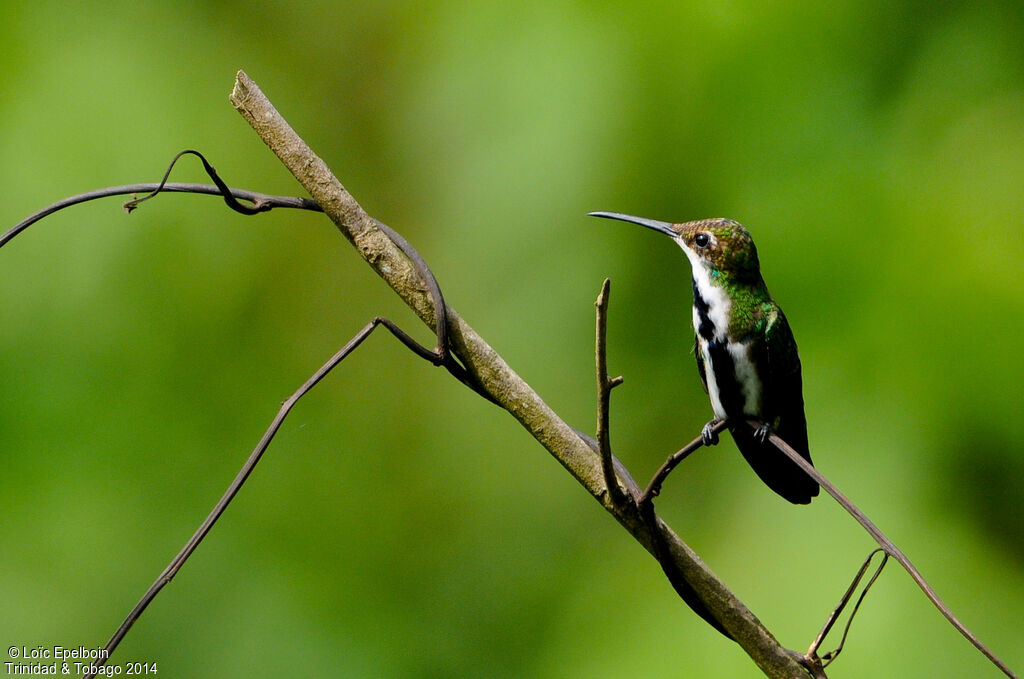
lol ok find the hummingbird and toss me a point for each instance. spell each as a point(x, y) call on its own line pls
point(746, 354)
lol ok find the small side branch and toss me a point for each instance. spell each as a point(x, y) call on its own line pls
point(604, 393)
point(654, 487)
point(267, 201)
point(812, 652)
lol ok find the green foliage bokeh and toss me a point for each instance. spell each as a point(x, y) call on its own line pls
point(400, 526)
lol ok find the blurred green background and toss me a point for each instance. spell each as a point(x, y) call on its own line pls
point(400, 526)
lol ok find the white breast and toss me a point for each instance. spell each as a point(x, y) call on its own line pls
point(719, 306)
point(745, 374)
point(718, 302)
point(747, 377)
point(709, 378)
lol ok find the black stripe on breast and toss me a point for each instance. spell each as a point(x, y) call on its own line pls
point(730, 392)
point(706, 328)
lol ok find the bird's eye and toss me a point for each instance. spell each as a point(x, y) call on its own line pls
point(702, 240)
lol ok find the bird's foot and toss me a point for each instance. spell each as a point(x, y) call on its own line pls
point(762, 433)
point(708, 435)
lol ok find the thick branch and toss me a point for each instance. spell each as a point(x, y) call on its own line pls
point(497, 378)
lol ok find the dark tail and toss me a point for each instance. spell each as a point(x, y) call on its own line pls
point(777, 471)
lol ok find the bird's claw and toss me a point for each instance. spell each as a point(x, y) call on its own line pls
point(762, 433)
point(708, 435)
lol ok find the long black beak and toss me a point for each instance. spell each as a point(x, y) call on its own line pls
point(661, 227)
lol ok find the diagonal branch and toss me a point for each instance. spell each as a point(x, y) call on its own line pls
point(503, 385)
point(204, 529)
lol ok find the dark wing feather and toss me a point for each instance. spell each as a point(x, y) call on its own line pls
point(783, 411)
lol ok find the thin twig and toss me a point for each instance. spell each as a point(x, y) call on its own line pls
point(812, 651)
point(171, 187)
point(225, 191)
point(654, 487)
point(604, 392)
point(218, 509)
point(834, 653)
point(204, 528)
point(885, 543)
